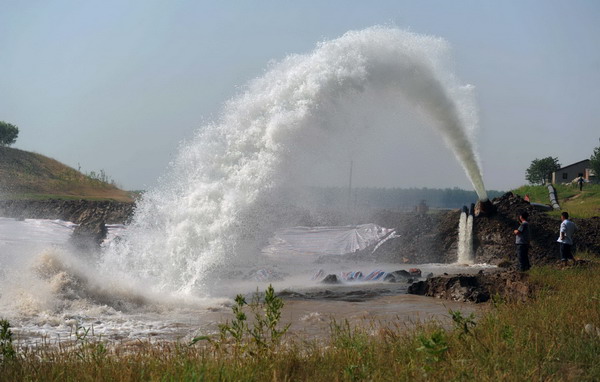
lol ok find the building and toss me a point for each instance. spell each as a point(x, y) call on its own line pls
point(569, 173)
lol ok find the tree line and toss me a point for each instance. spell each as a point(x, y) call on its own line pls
point(393, 198)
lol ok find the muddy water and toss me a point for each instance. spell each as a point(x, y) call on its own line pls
point(309, 313)
point(312, 318)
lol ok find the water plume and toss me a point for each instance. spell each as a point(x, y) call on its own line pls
point(297, 114)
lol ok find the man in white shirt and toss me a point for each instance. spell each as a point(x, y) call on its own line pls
point(565, 238)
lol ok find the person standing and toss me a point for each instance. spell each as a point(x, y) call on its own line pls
point(522, 241)
point(580, 182)
point(565, 238)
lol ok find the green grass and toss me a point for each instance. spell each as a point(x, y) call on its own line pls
point(543, 339)
point(582, 204)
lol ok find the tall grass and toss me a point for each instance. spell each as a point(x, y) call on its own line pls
point(544, 339)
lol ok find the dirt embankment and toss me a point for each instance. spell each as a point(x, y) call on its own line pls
point(76, 211)
point(493, 238)
point(426, 238)
point(477, 288)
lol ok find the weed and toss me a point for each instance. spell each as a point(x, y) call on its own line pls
point(263, 336)
point(434, 346)
point(87, 346)
point(7, 351)
point(463, 324)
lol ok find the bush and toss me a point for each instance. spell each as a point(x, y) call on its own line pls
point(8, 133)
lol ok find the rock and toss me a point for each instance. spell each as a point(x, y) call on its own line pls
point(475, 288)
point(331, 279)
point(88, 237)
point(397, 276)
point(591, 330)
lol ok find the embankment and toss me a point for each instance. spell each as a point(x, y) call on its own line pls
point(76, 211)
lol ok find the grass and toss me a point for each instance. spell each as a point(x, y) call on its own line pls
point(579, 204)
point(27, 175)
point(544, 339)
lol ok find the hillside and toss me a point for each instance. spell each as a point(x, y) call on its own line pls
point(27, 175)
point(579, 204)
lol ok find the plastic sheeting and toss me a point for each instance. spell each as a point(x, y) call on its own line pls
point(326, 240)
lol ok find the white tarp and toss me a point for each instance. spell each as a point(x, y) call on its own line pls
point(325, 240)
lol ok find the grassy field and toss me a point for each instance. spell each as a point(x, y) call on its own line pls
point(582, 204)
point(553, 337)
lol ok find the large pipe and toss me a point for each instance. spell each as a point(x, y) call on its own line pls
point(484, 208)
point(553, 198)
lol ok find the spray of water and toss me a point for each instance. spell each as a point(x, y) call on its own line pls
point(187, 229)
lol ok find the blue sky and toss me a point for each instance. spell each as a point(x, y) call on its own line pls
point(117, 85)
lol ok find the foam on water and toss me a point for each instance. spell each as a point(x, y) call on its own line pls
point(299, 112)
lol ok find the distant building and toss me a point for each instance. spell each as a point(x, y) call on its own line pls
point(422, 208)
point(573, 171)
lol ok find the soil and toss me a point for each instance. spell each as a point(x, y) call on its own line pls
point(508, 285)
point(432, 238)
point(493, 237)
point(76, 211)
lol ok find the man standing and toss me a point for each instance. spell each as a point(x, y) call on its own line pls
point(580, 182)
point(565, 238)
point(522, 241)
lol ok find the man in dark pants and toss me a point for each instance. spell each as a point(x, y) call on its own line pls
point(565, 238)
point(522, 241)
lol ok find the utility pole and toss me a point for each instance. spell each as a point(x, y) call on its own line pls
point(350, 186)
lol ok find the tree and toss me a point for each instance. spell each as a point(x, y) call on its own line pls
point(595, 162)
point(8, 133)
point(540, 170)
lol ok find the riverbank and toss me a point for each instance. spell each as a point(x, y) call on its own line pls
point(76, 211)
point(553, 336)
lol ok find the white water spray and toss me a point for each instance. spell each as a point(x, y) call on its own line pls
point(185, 231)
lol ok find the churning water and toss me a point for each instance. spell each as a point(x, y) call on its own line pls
point(304, 110)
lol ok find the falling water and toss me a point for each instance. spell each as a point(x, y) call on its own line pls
point(465, 238)
point(189, 229)
point(462, 240)
point(470, 255)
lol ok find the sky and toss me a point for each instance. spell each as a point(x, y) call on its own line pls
point(118, 85)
